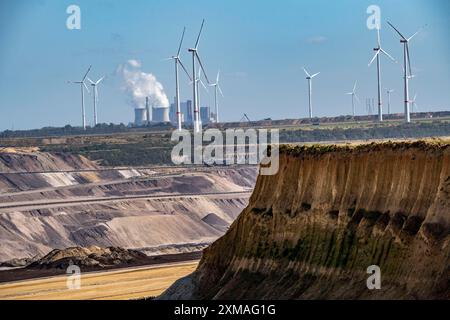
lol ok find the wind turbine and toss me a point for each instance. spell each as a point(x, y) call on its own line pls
point(309, 78)
point(196, 57)
point(95, 95)
point(406, 68)
point(353, 93)
point(83, 84)
point(217, 88)
point(389, 91)
point(377, 56)
point(177, 84)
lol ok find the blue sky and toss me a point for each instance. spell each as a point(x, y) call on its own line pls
point(259, 46)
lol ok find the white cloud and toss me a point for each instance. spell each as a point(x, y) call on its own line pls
point(134, 63)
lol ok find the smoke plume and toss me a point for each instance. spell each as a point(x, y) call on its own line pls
point(139, 85)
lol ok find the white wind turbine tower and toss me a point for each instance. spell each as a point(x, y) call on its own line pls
point(309, 78)
point(95, 95)
point(353, 94)
point(217, 88)
point(377, 56)
point(406, 69)
point(196, 57)
point(82, 86)
point(177, 83)
point(389, 91)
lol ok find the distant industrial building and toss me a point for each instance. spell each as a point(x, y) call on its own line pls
point(143, 116)
point(205, 115)
point(140, 116)
point(160, 114)
point(186, 108)
point(186, 112)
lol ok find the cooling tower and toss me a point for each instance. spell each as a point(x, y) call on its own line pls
point(161, 115)
point(140, 116)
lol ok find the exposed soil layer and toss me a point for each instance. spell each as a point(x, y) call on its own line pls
point(312, 230)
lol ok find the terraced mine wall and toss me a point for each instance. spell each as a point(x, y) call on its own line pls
point(312, 230)
point(58, 200)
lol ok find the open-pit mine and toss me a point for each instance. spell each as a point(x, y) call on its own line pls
point(54, 201)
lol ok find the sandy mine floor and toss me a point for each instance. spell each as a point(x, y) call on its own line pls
point(130, 283)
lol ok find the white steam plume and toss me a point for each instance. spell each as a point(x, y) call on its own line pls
point(139, 85)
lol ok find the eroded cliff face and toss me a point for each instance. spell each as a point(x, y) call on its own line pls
point(311, 231)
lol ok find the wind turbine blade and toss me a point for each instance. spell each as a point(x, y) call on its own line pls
point(201, 82)
point(417, 32)
point(167, 59)
point(315, 74)
point(220, 90)
point(181, 41)
point(85, 75)
point(304, 69)
point(357, 99)
point(376, 54)
point(217, 77)
point(415, 96)
point(201, 66)
point(354, 87)
point(349, 93)
point(198, 37)
point(378, 36)
point(187, 73)
point(92, 82)
point(87, 89)
point(409, 60)
point(100, 80)
point(388, 55)
point(397, 31)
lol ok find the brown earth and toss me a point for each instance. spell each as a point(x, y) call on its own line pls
point(312, 230)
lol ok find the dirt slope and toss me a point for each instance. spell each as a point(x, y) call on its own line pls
point(311, 231)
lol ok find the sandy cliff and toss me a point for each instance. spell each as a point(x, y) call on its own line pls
point(312, 230)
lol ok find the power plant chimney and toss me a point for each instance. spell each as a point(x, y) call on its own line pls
point(147, 108)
